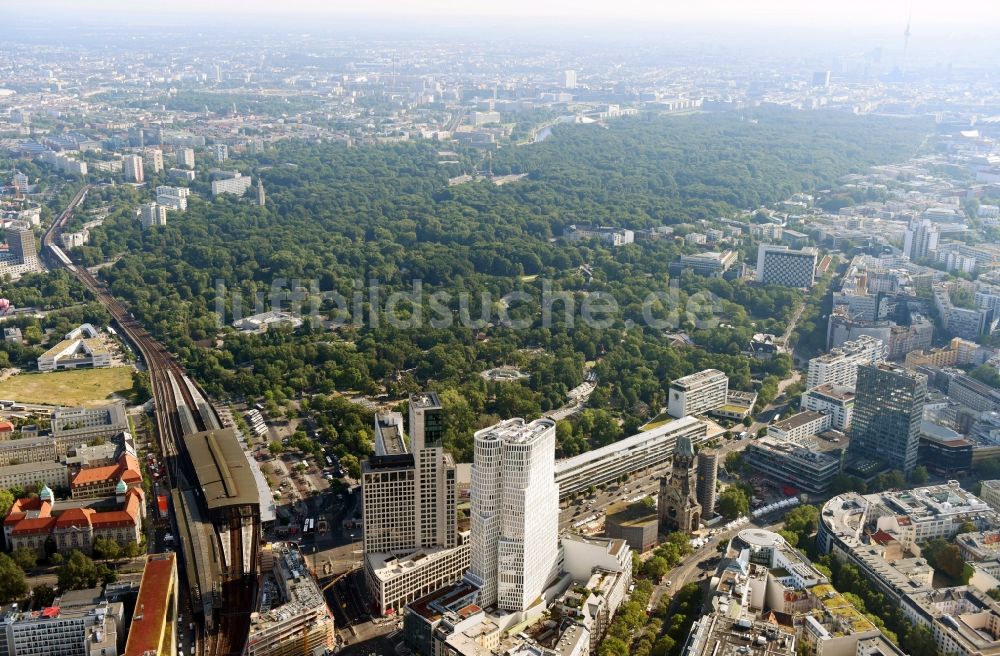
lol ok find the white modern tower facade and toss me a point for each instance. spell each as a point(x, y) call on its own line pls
point(515, 513)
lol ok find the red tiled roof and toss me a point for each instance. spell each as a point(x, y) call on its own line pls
point(75, 517)
point(154, 598)
point(881, 537)
point(114, 517)
point(34, 525)
point(6, 427)
point(127, 469)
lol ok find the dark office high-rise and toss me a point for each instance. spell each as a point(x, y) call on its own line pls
point(887, 411)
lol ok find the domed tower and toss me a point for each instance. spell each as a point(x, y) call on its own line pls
point(47, 495)
point(678, 505)
point(120, 490)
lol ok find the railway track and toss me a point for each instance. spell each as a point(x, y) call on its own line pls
point(167, 380)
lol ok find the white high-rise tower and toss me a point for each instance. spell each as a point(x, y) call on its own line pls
point(515, 513)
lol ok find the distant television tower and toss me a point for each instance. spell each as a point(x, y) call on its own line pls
point(906, 36)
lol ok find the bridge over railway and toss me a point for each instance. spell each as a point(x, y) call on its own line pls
point(216, 507)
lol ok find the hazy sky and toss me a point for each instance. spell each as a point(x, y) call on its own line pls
point(818, 13)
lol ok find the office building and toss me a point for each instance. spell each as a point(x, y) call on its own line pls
point(154, 159)
point(436, 513)
point(515, 513)
point(185, 158)
point(238, 185)
point(293, 617)
point(132, 169)
point(410, 508)
point(973, 394)
point(221, 152)
point(154, 628)
point(569, 79)
point(887, 413)
point(678, 504)
point(78, 623)
point(625, 457)
point(801, 424)
point(795, 462)
point(835, 400)
point(708, 472)
point(840, 365)
point(395, 581)
point(697, 393)
point(921, 238)
point(74, 354)
point(780, 265)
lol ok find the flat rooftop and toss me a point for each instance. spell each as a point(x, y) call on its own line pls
point(390, 440)
point(836, 392)
point(798, 420)
point(425, 400)
point(146, 632)
point(222, 469)
point(699, 378)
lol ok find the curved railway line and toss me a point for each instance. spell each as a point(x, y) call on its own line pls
point(173, 415)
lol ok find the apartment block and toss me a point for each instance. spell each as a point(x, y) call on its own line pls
point(840, 365)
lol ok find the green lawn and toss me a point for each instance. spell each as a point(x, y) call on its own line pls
point(657, 421)
point(74, 387)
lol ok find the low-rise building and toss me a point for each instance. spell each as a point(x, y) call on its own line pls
point(293, 617)
point(794, 462)
point(394, 581)
point(800, 425)
point(641, 451)
point(29, 449)
point(712, 263)
point(22, 475)
point(610, 235)
point(90, 482)
point(154, 627)
point(75, 524)
point(636, 524)
point(75, 353)
point(717, 633)
point(78, 623)
point(72, 426)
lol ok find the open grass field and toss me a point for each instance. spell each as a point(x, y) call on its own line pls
point(74, 387)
